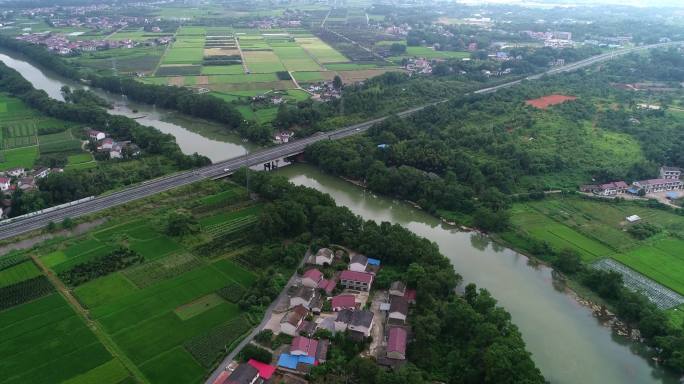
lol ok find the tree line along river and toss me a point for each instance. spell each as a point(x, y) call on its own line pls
point(568, 344)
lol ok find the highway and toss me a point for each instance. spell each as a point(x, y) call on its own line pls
point(20, 226)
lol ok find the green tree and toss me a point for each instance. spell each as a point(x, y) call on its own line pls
point(180, 223)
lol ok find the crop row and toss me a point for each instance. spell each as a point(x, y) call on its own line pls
point(208, 347)
point(150, 273)
point(24, 291)
point(11, 260)
point(231, 226)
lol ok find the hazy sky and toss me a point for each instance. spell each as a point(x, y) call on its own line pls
point(636, 3)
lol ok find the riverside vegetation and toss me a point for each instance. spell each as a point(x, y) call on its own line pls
point(176, 282)
point(471, 159)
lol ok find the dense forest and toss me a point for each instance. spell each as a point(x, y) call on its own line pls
point(161, 154)
point(457, 339)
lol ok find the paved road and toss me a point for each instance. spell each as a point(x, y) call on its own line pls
point(151, 187)
point(267, 316)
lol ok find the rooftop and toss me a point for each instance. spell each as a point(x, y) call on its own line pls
point(356, 276)
point(396, 341)
point(399, 304)
point(344, 301)
point(313, 274)
point(243, 374)
point(265, 370)
point(361, 259)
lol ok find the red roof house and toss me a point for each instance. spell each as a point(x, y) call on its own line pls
point(356, 280)
point(396, 343)
point(265, 370)
point(327, 285)
point(311, 278)
point(303, 346)
point(341, 302)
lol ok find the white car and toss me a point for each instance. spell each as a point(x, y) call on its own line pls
point(226, 169)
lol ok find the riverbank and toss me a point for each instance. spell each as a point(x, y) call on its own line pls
point(568, 342)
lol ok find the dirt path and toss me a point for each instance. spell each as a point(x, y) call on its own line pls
point(245, 69)
point(94, 326)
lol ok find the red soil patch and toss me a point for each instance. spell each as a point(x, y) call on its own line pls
point(547, 101)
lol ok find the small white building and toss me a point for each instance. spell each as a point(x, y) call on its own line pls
point(324, 256)
point(358, 263)
point(292, 320)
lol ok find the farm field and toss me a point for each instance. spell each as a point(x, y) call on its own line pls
point(21, 141)
point(62, 347)
point(597, 229)
point(172, 312)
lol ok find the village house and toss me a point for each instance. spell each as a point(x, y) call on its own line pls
point(311, 278)
point(40, 173)
point(357, 323)
point(243, 374)
point(670, 173)
point(360, 281)
point(398, 310)
point(410, 296)
point(397, 288)
point(658, 185)
point(396, 343)
point(293, 319)
point(303, 296)
point(328, 286)
point(324, 256)
point(358, 263)
point(342, 302)
point(27, 183)
point(16, 172)
point(304, 346)
point(608, 189)
point(4, 183)
point(266, 371)
point(105, 145)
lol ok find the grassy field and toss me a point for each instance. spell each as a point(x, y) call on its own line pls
point(321, 51)
point(45, 338)
point(597, 229)
point(164, 315)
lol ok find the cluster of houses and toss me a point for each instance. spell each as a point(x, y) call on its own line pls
point(22, 179)
point(557, 39)
point(336, 304)
point(668, 180)
point(61, 44)
point(115, 149)
point(324, 91)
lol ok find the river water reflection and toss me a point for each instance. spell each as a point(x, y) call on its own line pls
point(568, 344)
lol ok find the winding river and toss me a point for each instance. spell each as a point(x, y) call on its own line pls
point(568, 344)
point(211, 142)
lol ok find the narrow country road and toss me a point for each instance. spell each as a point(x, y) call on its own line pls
point(267, 316)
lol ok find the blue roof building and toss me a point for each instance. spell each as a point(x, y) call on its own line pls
point(375, 262)
point(291, 361)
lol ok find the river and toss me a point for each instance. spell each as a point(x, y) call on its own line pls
point(568, 344)
point(211, 142)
